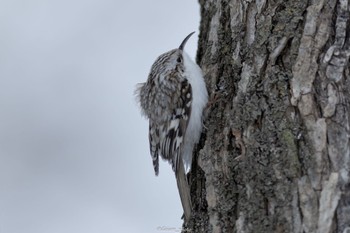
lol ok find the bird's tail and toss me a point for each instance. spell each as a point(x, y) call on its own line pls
point(184, 189)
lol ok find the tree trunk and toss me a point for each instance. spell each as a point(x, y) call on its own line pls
point(274, 155)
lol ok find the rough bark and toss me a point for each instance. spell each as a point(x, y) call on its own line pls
point(275, 155)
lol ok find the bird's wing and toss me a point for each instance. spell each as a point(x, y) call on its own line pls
point(166, 138)
point(154, 145)
point(172, 144)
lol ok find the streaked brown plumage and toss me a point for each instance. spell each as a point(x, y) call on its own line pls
point(173, 99)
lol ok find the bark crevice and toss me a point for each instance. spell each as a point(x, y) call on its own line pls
point(276, 153)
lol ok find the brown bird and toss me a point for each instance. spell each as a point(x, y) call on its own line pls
point(173, 99)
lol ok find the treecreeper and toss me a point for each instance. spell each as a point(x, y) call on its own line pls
point(173, 99)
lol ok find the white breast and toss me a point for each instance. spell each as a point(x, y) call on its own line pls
point(199, 100)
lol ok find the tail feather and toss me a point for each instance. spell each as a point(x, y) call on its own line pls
point(184, 190)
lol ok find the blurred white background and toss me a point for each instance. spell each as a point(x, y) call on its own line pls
point(74, 151)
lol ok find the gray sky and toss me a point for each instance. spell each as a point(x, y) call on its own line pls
point(74, 151)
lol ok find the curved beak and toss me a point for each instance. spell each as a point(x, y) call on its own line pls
point(182, 45)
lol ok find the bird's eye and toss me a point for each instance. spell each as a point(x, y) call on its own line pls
point(179, 60)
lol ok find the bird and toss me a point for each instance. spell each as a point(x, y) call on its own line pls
point(173, 100)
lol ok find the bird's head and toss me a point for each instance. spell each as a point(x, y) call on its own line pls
point(170, 61)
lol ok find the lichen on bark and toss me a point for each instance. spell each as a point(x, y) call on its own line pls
point(274, 155)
